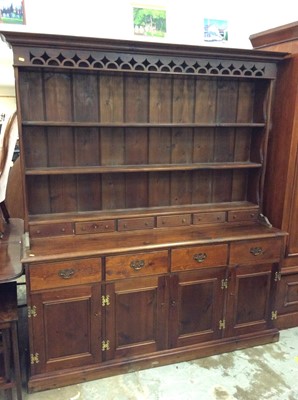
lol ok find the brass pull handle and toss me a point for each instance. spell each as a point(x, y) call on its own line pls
point(256, 251)
point(66, 273)
point(200, 257)
point(137, 264)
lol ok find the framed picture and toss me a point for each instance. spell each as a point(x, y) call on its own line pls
point(215, 30)
point(12, 12)
point(149, 22)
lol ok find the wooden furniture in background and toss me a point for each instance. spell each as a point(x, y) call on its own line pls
point(10, 377)
point(281, 194)
point(143, 170)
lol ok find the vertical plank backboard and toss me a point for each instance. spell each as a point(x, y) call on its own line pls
point(113, 191)
point(205, 100)
point(160, 99)
point(203, 147)
point(136, 95)
point(111, 95)
point(38, 195)
point(61, 152)
point(159, 189)
point(35, 141)
point(183, 100)
point(31, 87)
point(89, 192)
point(62, 189)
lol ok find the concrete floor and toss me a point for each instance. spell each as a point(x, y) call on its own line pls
point(263, 372)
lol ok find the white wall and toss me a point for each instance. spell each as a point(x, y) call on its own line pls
point(113, 19)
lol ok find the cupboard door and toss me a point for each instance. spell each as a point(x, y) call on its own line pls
point(136, 318)
point(65, 328)
point(196, 306)
point(251, 299)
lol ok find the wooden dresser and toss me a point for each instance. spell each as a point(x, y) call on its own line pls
point(281, 194)
point(143, 169)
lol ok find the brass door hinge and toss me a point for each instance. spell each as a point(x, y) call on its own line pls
point(31, 311)
point(224, 284)
point(273, 315)
point(105, 300)
point(34, 358)
point(277, 276)
point(105, 345)
point(222, 324)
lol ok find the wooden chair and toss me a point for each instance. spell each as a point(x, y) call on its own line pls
point(10, 377)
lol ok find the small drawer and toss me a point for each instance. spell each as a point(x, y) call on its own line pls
point(45, 230)
point(199, 257)
point(64, 273)
point(244, 215)
point(139, 264)
point(131, 224)
point(173, 220)
point(255, 251)
point(209, 218)
point(82, 228)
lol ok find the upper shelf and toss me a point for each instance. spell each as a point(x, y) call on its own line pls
point(142, 125)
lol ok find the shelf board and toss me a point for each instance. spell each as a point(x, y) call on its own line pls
point(141, 168)
point(86, 124)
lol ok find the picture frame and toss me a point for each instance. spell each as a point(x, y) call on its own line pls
point(12, 12)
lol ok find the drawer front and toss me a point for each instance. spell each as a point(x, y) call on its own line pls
point(139, 264)
point(45, 230)
point(82, 228)
point(64, 273)
point(246, 215)
point(209, 218)
point(135, 223)
point(199, 257)
point(255, 251)
point(173, 220)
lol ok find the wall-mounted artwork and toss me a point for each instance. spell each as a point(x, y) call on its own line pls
point(215, 30)
point(12, 12)
point(149, 22)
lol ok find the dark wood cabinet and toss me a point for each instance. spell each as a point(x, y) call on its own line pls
point(143, 169)
point(281, 195)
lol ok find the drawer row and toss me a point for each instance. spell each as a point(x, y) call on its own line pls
point(131, 224)
point(88, 270)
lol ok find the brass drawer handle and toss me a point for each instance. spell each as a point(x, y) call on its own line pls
point(200, 257)
point(137, 264)
point(66, 273)
point(256, 251)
